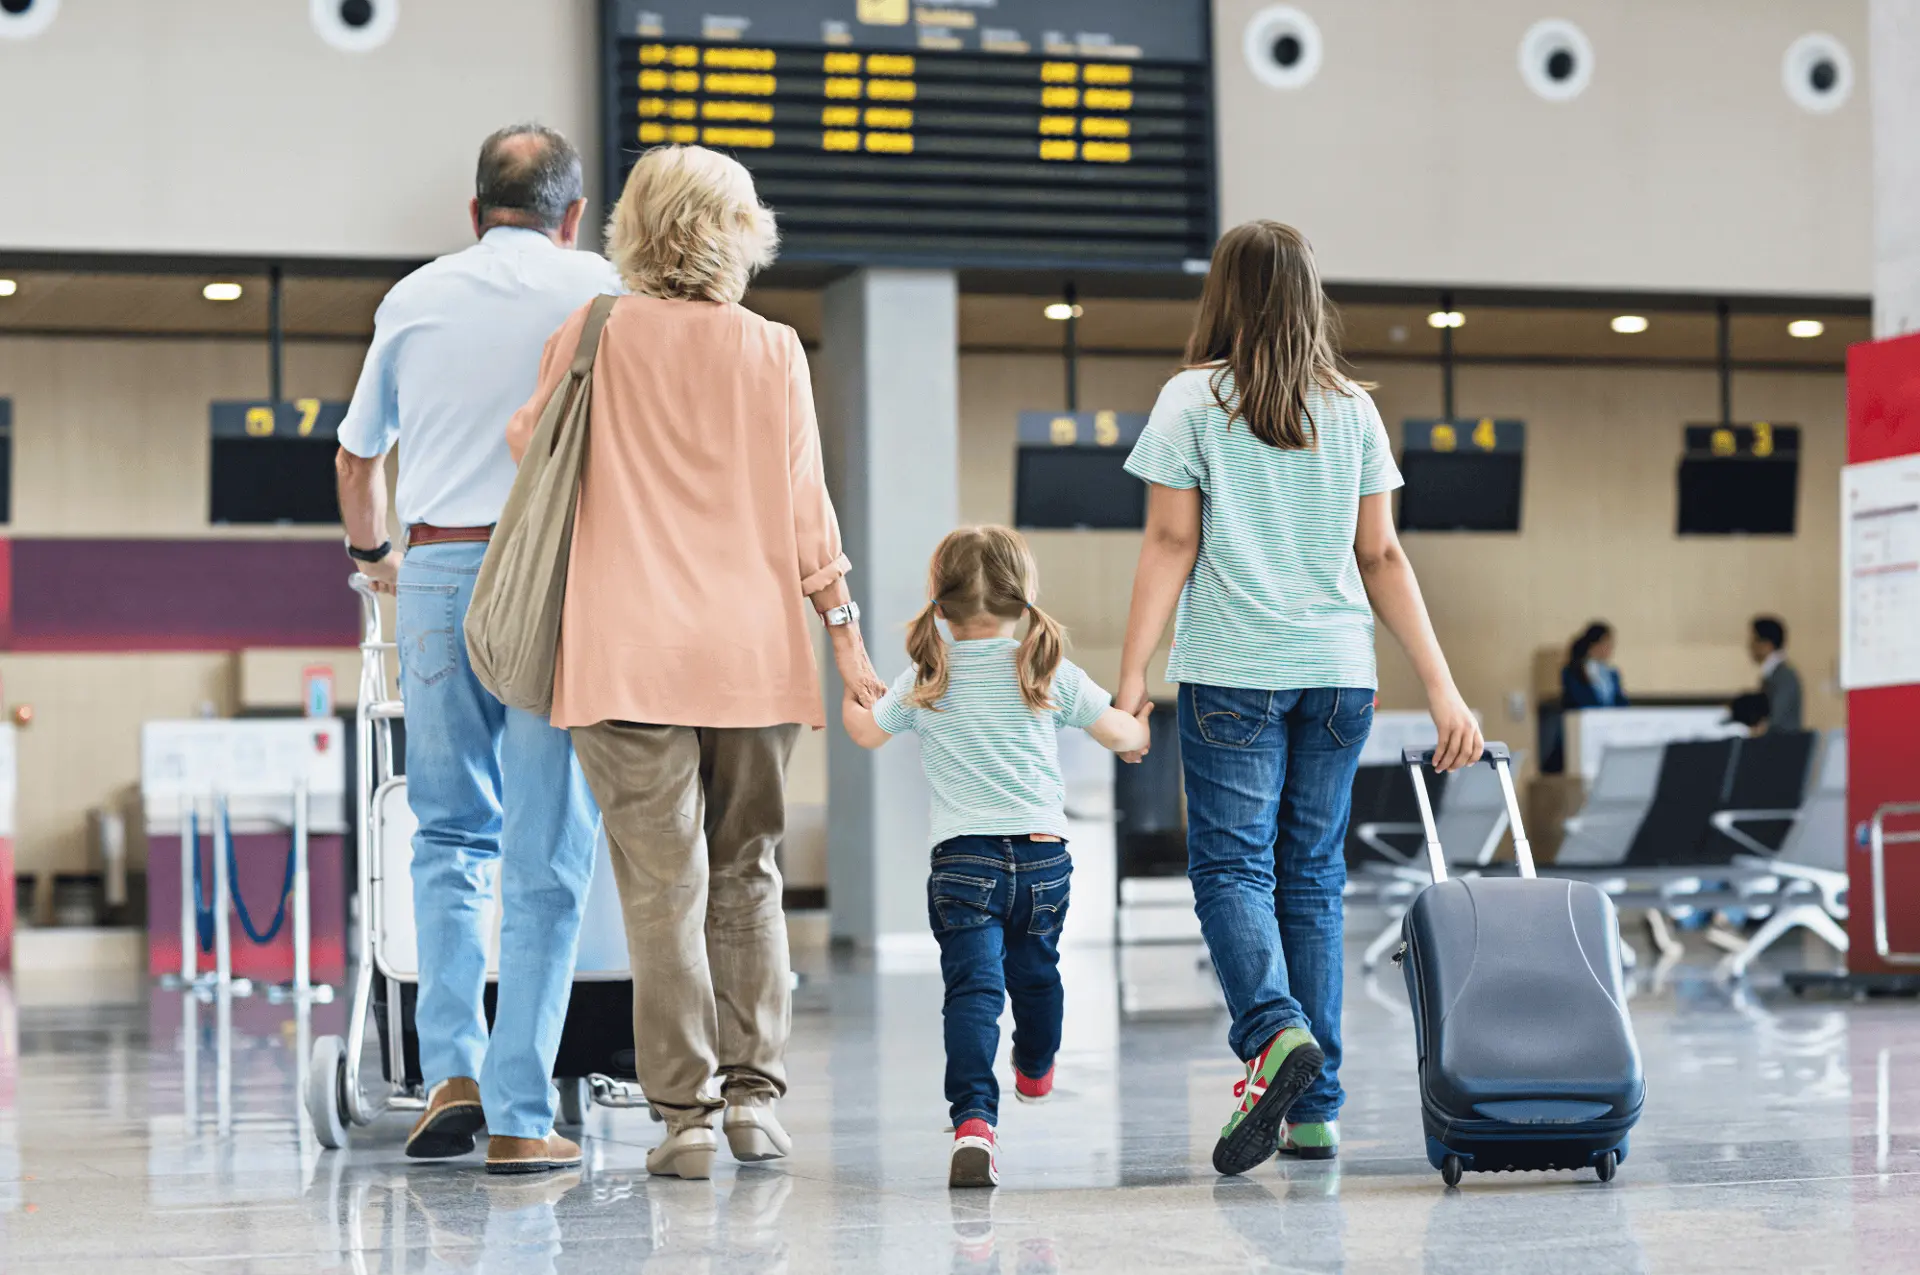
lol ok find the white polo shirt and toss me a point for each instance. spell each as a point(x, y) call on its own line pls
point(456, 351)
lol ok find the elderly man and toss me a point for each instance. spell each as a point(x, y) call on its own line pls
point(456, 348)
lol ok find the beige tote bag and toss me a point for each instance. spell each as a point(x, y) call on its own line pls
point(513, 622)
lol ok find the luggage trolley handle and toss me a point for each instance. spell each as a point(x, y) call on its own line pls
point(1496, 756)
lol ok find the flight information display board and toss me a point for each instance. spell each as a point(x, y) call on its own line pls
point(988, 133)
point(274, 464)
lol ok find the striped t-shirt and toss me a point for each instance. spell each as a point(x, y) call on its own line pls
point(1275, 600)
point(992, 762)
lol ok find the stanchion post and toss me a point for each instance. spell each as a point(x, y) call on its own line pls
point(302, 900)
point(222, 883)
point(189, 905)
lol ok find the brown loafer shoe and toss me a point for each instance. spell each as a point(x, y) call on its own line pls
point(452, 1117)
point(531, 1155)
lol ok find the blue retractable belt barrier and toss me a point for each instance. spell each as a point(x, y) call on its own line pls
point(239, 903)
point(202, 911)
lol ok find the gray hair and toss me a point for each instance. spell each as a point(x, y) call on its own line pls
point(532, 183)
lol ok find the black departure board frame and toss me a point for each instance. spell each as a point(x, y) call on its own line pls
point(1738, 480)
point(984, 134)
point(1444, 460)
point(273, 464)
point(6, 461)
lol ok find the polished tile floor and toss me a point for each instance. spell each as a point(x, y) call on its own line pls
point(1778, 1135)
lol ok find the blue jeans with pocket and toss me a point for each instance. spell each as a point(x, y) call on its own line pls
point(996, 905)
point(488, 784)
point(1269, 778)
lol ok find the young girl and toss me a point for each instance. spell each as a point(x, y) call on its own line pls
point(986, 708)
point(1269, 520)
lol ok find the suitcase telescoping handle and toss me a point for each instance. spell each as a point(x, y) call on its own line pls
point(1496, 756)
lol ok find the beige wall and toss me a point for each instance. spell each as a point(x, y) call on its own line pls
point(110, 436)
point(1598, 540)
point(110, 439)
point(228, 126)
point(1417, 154)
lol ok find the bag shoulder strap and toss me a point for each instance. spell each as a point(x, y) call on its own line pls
point(590, 334)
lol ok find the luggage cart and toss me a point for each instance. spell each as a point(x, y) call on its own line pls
point(594, 1065)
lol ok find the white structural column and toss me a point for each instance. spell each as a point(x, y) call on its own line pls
point(1894, 53)
point(890, 395)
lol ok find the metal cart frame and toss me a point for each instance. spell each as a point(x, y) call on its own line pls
point(336, 1099)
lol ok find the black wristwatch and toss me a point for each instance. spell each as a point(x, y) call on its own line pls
point(369, 555)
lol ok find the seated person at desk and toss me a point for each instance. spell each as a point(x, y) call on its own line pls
point(1589, 679)
point(1778, 700)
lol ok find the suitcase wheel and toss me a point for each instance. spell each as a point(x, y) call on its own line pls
point(1451, 1169)
point(1606, 1165)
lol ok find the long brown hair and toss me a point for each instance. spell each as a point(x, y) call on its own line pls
point(984, 571)
point(1264, 321)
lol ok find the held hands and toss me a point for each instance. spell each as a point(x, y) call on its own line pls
point(1460, 743)
point(863, 685)
point(1132, 700)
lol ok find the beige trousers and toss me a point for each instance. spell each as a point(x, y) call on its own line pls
point(694, 817)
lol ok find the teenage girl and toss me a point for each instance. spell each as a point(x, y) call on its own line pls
point(1270, 523)
point(986, 708)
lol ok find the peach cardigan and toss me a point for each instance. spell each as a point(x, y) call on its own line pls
point(704, 521)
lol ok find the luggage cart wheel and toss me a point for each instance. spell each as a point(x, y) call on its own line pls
point(325, 1097)
point(1606, 1165)
point(1451, 1169)
point(575, 1101)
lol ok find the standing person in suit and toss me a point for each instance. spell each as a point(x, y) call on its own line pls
point(1589, 679)
point(1779, 680)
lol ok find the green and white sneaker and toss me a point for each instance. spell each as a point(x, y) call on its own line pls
point(1311, 1140)
point(1284, 1070)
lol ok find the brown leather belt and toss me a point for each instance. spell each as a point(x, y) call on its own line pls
point(425, 533)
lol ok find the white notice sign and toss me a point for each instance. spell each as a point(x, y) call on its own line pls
point(1880, 571)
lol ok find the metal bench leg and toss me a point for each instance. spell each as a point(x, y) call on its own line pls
point(1809, 916)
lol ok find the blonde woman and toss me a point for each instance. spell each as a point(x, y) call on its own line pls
point(686, 670)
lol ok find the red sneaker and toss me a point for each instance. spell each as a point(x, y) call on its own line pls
point(973, 1162)
point(1033, 1088)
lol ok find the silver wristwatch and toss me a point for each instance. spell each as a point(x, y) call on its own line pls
point(846, 613)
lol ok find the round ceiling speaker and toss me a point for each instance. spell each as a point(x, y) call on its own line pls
point(1556, 59)
point(352, 26)
point(1817, 72)
point(24, 19)
point(1283, 47)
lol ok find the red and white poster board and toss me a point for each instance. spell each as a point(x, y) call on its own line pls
point(1880, 633)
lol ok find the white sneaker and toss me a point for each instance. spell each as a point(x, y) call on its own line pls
point(753, 1131)
point(687, 1153)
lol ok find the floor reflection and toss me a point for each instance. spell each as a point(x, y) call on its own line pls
point(1778, 1135)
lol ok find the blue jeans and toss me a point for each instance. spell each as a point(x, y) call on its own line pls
point(996, 904)
point(487, 784)
point(1269, 787)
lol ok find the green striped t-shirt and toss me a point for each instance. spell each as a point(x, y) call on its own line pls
point(993, 763)
point(1275, 601)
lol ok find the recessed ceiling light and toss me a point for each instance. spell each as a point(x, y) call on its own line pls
point(1629, 324)
point(221, 292)
point(1806, 328)
point(8, 287)
point(1397, 334)
point(1060, 312)
point(1446, 319)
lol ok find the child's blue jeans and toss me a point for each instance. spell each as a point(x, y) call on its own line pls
point(996, 904)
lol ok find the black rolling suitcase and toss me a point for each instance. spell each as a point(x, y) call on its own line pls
point(1526, 1054)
